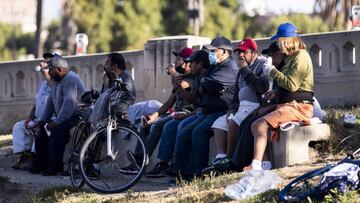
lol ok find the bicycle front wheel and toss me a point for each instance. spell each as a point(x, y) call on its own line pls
point(107, 174)
point(304, 186)
point(77, 139)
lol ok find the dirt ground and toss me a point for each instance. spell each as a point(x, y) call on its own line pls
point(22, 185)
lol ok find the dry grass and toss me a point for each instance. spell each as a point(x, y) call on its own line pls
point(211, 189)
point(5, 140)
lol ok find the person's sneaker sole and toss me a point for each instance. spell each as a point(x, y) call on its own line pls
point(127, 172)
point(63, 175)
point(159, 175)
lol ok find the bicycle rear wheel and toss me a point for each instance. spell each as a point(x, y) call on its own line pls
point(81, 131)
point(304, 186)
point(103, 173)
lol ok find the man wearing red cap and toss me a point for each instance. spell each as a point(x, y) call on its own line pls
point(251, 84)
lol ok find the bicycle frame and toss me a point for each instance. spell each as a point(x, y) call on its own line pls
point(111, 126)
point(112, 122)
point(283, 197)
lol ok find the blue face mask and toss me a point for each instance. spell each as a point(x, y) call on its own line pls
point(212, 58)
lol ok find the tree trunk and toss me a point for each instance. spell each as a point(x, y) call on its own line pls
point(335, 12)
point(69, 29)
point(38, 49)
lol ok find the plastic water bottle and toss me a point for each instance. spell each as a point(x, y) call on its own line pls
point(37, 68)
point(253, 183)
point(48, 132)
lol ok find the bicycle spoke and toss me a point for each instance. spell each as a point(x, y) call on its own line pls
point(110, 177)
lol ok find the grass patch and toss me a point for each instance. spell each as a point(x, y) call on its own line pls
point(343, 138)
point(211, 188)
point(9, 190)
point(58, 194)
point(5, 140)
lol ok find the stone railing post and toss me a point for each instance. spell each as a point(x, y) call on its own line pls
point(158, 55)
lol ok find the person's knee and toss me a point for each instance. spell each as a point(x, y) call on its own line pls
point(258, 126)
point(201, 133)
point(19, 125)
point(233, 124)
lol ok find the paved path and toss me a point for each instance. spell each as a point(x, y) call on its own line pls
point(27, 183)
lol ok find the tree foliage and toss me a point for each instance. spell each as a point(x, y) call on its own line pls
point(335, 12)
point(14, 43)
point(261, 27)
point(127, 24)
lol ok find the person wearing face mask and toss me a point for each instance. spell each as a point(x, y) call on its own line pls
point(22, 132)
point(251, 84)
point(216, 88)
point(157, 120)
point(199, 63)
point(66, 89)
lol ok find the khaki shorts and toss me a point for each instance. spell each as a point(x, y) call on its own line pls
point(244, 110)
point(291, 111)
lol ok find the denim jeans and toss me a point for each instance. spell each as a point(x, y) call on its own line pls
point(154, 136)
point(168, 137)
point(192, 144)
point(60, 135)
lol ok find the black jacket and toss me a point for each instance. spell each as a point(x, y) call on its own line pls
point(218, 86)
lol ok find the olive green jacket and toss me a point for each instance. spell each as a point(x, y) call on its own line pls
point(297, 73)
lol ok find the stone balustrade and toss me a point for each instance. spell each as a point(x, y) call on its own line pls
point(334, 55)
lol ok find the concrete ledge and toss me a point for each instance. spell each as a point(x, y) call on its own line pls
point(293, 145)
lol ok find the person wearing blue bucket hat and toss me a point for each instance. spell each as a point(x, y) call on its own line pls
point(295, 92)
point(285, 30)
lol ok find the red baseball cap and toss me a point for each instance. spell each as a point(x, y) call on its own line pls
point(184, 53)
point(246, 44)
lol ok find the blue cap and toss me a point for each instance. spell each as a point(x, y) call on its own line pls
point(285, 30)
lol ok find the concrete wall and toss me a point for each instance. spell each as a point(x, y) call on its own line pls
point(335, 57)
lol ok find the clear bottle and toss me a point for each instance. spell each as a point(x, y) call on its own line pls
point(37, 68)
point(253, 183)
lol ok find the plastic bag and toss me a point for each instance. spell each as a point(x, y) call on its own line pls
point(100, 110)
point(342, 177)
point(253, 183)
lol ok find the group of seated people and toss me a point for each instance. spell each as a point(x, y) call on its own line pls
point(41, 138)
point(240, 100)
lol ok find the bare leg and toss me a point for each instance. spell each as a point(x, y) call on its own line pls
point(259, 130)
point(266, 156)
point(220, 141)
point(233, 132)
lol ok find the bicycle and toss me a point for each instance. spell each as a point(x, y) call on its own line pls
point(81, 132)
point(109, 149)
point(308, 184)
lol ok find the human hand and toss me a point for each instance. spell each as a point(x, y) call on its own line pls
point(230, 115)
point(170, 70)
point(27, 120)
point(242, 63)
point(184, 84)
point(179, 78)
point(51, 125)
point(37, 128)
point(269, 95)
point(268, 66)
point(43, 64)
point(269, 61)
point(179, 115)
point(152, 118)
